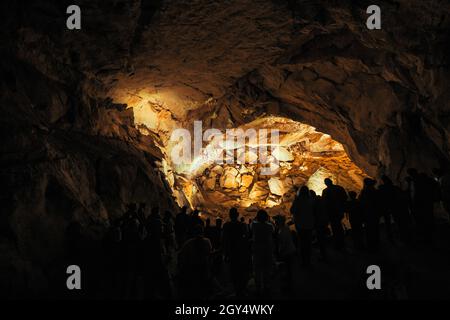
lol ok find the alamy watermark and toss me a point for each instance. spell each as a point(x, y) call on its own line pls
point(374, 279)
point(73, 22)
point(74, 279)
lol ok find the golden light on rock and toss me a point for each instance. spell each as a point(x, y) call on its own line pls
point(315, 181)
point(303, 156)
point(254, 173)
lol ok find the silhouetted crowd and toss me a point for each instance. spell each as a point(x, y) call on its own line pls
point(162, 255)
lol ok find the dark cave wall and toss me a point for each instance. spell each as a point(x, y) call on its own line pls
point(64, 161)
point(68, 154)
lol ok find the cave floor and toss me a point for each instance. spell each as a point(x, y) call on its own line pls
point(407, 272)
point(412, 271)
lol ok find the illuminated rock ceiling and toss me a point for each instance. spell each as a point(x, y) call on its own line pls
point(266, 177)
point(231, 62)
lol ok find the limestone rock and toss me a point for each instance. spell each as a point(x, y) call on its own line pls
point(288, 183)
point(276, 186)
point(246, 203)
point(316, 181)
point(249, 156)
point(270, 170)
point(246, 180)
point(229, 178)
point(217, 169)
point(282, 154)
point(270, 203)
point(259, 191)
point(243, 169)
point(210, 183)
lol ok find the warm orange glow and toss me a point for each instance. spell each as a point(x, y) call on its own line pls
point(303, 156)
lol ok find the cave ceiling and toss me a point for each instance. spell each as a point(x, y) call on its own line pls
point(382, 94)
point(231, 62)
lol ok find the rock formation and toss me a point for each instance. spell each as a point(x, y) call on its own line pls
point(303, 156)
point(87, 114)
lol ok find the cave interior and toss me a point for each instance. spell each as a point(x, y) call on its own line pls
point(87, 115)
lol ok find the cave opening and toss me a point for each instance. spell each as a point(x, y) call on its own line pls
point(257, 165)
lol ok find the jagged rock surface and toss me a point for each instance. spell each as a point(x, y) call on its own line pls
point(383, 94)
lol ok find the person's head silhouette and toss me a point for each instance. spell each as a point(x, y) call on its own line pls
point(234, 214)
point(328, 182)
point(155, 211)
point(280, 220)
point(370, 183)
point(262, 216)
point(304, 191)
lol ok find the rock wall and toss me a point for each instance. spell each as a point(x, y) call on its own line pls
point(383, 94)
point(68, 154)
point(250, 176)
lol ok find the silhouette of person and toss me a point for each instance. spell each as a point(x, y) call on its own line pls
point(285, 248)
point(216, 241)
point(114, 262)
point(335, 197)
point(242, 220)
point(168, 231)
point(194, 220)
point(131, 225)
point(415, 193)
point(249, 228)
point(131, 238)
point(356, 220)
point(321, 222)
point(181, 226)
point(387, 193)
point(303, 213)
point(263, 249)
point(369, 200)
point(402, 214)
point(237, 252)
point(154, 225)
point(155, 271)
point(216, 234)
point(141, 213)
point(423, 191)
point(208, 229)
point(195, 276)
